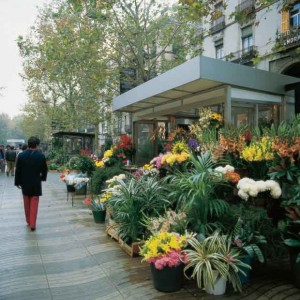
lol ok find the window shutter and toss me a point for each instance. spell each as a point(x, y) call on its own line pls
point(285, 21)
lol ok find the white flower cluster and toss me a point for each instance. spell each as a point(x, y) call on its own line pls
point(73, 180)
point(250, 188)
point(225, 169)
point(115, 179)
point(151, 172)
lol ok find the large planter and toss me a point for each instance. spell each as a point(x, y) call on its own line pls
point(99, 216)
point(295, 266)
point(245, 278)
point(167, 279)
point(219, 287)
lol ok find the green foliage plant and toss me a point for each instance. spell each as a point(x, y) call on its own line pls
point(248, 241)
point(86, 165)
point(194, 192)
point(214, 253)
point(100, 176)
point(135, 200)
point(291, 228)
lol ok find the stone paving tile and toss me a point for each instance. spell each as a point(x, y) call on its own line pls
point(40, 294)
point(69, 266)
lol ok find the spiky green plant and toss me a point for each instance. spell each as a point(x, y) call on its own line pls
point(214, 253)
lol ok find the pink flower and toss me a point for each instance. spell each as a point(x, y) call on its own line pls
point(171, 259)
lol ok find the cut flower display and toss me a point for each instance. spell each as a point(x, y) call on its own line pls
point(165, 249)
point(250, 188)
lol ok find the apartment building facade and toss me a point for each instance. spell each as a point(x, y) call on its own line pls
point(264, 37)
point(249, 72)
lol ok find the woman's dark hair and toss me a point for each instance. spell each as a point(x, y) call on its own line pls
point(33, 142)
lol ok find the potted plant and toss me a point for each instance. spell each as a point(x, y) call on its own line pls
point(247, 241)
point(134, 200)
point(214, 261)
point(163, 250)
point(98, 206)
point(195, 193)
point(291, 231)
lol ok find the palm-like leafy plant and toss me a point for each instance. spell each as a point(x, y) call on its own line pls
point(194, 192)
point(214, 253)
point(135, 200)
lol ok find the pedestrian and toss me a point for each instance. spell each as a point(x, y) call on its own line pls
point(10, 157)
point(2, 159)
point(21, 149)
point(31, 170)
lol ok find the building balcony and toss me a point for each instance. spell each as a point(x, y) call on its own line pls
point(246, 7)
point(243, 57)
point(290, 38)
point(217, 25)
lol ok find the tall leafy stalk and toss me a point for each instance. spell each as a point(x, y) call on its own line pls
point(194, 192)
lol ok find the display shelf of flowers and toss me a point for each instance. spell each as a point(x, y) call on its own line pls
point(207, 174)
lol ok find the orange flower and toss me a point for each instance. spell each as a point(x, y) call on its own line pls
point(232, 177)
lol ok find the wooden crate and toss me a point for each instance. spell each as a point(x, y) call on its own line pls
point(132, 250)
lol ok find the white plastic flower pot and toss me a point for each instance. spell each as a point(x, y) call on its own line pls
point(219, 286)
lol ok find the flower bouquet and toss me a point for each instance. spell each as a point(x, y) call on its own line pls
point(163, 251)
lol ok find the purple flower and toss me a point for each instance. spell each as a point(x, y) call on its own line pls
point(192, 143)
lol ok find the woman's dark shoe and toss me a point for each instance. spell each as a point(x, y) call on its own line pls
point(32, 229)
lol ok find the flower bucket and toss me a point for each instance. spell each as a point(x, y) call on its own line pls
point(167, 279)
point(99, 216)
point(245, 278)
point(219, 286)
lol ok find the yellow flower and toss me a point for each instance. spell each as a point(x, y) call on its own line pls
point(216, 116)
point(99, 163)
point(106, 196)
point(147, 167)
point(258, 150)
point(108, 153)
point(162, 243)
point(179, 147)
point(183, 156)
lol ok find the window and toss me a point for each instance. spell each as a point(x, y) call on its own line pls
point(295, 16)
point(247, 39)
point(219, 51)
point(247, 43)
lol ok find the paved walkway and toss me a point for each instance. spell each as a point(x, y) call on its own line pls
point(71, 257)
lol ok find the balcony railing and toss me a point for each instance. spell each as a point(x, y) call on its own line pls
point(290, 38)
point(247, 7)
point(217, 25)
point(244, 56)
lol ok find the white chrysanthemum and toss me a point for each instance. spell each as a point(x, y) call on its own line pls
point(271, 184)
point(276, 192)
point(245, 181)
point(261, 186)
point(229, 168)
point(220, 169)
point(251, 188)
point(243, 195)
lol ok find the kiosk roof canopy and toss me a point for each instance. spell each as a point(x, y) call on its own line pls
point(200, 74)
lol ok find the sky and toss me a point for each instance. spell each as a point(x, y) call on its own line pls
point(16, 18)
